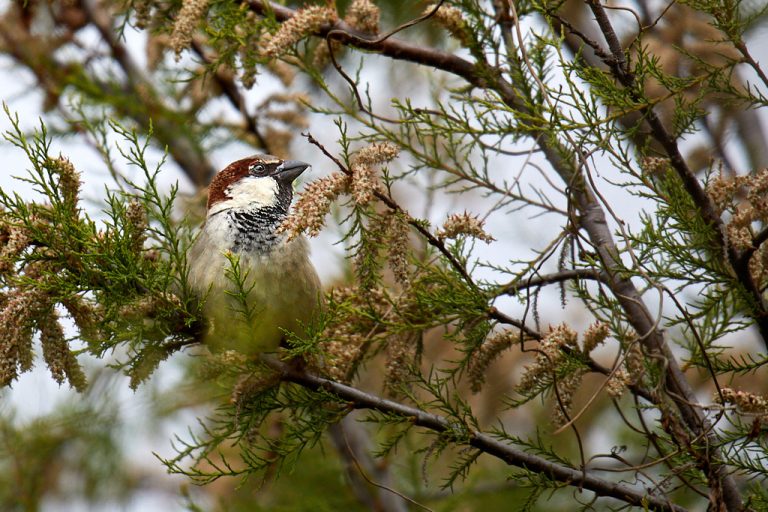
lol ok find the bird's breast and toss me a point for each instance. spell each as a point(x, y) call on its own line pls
point(281, 286)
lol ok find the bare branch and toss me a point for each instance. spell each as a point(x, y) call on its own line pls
point(484, 442)
point(535, 281)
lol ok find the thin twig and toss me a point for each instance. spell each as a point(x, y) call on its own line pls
point(231, 91)
point(535, 281)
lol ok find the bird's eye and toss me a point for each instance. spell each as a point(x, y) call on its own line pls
point(257, 168)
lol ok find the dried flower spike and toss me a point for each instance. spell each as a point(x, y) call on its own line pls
point(618, 383)
point(757, 195)
point(364, 16)
point(136, 224)
point(401, 356)
point(746, 402)
point(365, 179)
point(341, 351)
point(313, 204)
point(60, 360)
point(635, 363)
point(488, 352)
point(17, 321)
point(304, 23)
point(595, 335)
point(453, 20)
point(397, 255)
point(348, 334)
point(721, 191)
point(69, 180)
point(365, 184)
point(739, 237)
point(86, 317)
point(464, 224)
point(16, 241)
point(566, 388)
point(654, 165)
point(189, 16)
point(549, 356)
point(376, 153)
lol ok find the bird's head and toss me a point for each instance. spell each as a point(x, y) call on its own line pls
point(253, 183)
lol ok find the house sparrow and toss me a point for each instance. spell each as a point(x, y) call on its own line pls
point(247, 202)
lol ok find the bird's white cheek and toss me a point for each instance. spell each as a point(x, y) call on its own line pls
point(248, 192)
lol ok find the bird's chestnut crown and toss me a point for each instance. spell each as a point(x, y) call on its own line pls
point(255, 180)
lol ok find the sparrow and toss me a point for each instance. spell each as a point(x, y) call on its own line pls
point(247, 202)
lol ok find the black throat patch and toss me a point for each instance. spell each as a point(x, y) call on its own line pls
point(255, 228)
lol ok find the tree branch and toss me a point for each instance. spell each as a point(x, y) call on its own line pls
point(483, 442)
point(558, 277)
point(694, 419)
point(691, 183)
point(391, 47)
point(567, 163)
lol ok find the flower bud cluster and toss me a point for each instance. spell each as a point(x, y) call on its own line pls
point(452, 19)
point(488, 352)
point(464, 224)
point(192, 11)
point(364, 16)
point(303, 24)
point(549, 356)
point(313, 204)
point(352, 329)
point(744, 401)
point(746, 199)
point(364, 165)
point(17, 321)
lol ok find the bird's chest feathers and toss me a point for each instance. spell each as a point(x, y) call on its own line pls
point(247, 221)
point(266, 260)
point(281, 284)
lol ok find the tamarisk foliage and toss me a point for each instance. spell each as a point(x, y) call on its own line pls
point(439, 360)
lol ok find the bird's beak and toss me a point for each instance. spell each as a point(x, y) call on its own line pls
point(290, 170)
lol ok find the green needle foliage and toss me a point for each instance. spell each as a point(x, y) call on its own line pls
point(437, 373)
point(119, 279)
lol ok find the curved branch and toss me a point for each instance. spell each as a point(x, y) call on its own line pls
point(567, 163)
point(391, 47)
point(482, 441)
point(691, 183)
